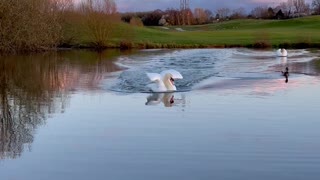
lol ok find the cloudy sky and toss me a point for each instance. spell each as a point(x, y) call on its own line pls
point(149, 5)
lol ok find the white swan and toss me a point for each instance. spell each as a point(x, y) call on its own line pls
point(164, 81)
point(282, 52)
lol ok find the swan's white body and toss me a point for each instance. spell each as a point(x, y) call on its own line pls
point(282, 52)
point(163, 82)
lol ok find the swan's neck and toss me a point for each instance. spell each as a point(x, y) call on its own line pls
point(169, 85)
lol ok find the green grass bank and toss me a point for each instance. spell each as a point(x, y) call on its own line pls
point(292, 33)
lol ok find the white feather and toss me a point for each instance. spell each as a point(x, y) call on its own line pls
point(282, 53)
point(154, 76)
point(162, 82)
point(175, 74)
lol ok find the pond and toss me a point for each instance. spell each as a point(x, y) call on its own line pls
point(85, 115)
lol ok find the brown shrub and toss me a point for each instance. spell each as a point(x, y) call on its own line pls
point(29, 25)
point(135, 21)
point(101, 20)
point(126, 45)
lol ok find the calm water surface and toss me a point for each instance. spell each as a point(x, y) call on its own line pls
point(83, 115)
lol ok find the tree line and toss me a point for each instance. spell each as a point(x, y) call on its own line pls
point(29, 24)
point(38, 25)
point(171, 16)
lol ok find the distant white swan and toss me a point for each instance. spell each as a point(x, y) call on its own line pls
point(282, 52)
point(164, 82)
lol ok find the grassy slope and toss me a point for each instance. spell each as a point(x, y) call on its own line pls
point(235, 32)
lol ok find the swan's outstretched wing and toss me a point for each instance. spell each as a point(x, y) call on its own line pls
point(154, 76)
point(158, 85)
point(279, 53)
point(175, 74)
point(282, 53)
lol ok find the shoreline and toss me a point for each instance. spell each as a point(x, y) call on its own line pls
point(171, 46)
point(299, 45)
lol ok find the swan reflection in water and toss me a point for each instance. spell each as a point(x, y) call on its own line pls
point(282, 60)
point(168, 99)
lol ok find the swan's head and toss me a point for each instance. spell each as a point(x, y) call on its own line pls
point(172, 80)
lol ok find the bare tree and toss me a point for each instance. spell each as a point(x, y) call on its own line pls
point(300, 6)
point(290, 6)
point(186, 16)
point(200, 16)
point(224, 13)
point(209, 14)
point(136, 21)
point(63, 5)
point(173, 17)
point(316, 6)
point(29, 25)
point(260, 12)
point(270, 13)
point(238, 13)
point(284, 8)
point(100, 20)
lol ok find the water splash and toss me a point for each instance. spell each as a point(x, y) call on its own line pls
point(197, 65)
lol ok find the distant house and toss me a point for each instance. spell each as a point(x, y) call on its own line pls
point(163, 21)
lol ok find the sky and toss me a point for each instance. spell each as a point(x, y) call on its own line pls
point(150, 5)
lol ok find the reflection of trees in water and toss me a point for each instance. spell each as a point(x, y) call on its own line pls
point(29, 91)
point(33, 87)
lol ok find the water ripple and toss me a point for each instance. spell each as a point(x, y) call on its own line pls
point(197, 65)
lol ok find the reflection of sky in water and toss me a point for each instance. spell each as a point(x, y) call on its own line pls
point(229, 119)
point(105, 134)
